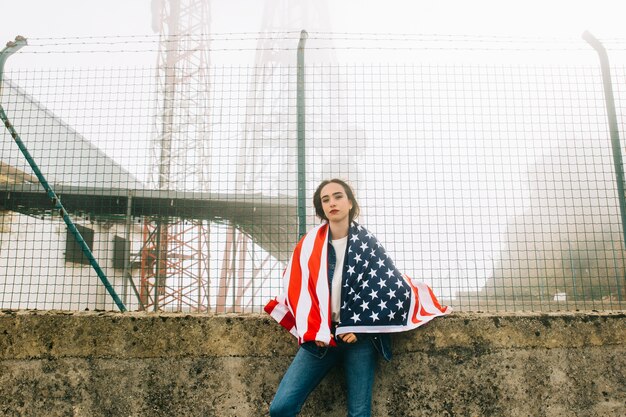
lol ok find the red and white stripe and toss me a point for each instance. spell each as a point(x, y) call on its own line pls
point(304, 309)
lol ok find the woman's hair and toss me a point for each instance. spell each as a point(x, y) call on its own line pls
point(317, 199)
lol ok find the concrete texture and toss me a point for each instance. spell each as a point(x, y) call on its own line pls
point(137, 364)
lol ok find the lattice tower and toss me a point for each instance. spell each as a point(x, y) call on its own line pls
point(267, 161)
point(267, 150)
point(268, 154)
point(175, 263)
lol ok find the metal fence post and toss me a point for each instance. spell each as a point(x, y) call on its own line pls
point(301, 137)
point(11, 48)
point(612, 119)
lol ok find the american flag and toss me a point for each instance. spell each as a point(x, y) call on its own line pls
point(376, 297)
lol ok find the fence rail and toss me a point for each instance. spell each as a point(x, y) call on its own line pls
point(494, 181)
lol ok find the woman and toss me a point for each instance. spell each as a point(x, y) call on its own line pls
point(343, 295)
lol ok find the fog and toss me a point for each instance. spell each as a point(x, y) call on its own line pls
point(460, 133)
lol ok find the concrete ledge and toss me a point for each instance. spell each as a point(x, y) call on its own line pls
point(467, 364)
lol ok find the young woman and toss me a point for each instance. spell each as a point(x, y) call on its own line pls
point(342, 296)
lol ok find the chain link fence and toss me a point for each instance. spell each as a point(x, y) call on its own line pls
point(490, 177)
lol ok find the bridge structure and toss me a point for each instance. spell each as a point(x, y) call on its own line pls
point(104, 191)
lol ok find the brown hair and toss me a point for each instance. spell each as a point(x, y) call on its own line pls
point(317, 199)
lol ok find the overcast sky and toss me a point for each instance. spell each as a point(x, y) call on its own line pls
point(77, 18)
point(39, 20)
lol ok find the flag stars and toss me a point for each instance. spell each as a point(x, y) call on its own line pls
point(375, 291)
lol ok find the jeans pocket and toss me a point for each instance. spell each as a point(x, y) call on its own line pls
point(382, 344)
point(317, 351)
point(313, 349)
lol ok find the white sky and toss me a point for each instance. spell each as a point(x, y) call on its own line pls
point(39, 20)
point(78, 18)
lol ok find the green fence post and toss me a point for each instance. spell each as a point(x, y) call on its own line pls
point(612, 118)
point(301, 137)
point(11, 48)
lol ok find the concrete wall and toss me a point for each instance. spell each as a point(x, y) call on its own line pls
point(134, 364)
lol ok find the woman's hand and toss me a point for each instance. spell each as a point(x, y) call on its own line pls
point(348, 337)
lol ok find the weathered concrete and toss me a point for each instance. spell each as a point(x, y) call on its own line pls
point(111, 364)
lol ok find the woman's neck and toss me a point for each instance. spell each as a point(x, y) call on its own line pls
point(339, 230)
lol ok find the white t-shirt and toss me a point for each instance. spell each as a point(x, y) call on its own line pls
point(335, 292)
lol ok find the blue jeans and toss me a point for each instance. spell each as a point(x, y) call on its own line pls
point(312, 363)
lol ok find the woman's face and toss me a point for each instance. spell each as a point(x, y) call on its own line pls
point(335, 202)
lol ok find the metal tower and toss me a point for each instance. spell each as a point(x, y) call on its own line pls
point(175, 254)
point(268, 154)
point(267, 151)
point(175, 257)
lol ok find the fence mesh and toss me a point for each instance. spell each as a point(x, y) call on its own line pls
point(494, 183)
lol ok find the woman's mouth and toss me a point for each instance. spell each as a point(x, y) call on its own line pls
point(334, 211)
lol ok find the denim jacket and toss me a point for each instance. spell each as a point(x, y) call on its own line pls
point(381, 341)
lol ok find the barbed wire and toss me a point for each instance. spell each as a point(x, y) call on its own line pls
point(320, 36)
point(234, 43)
point(329, 35)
